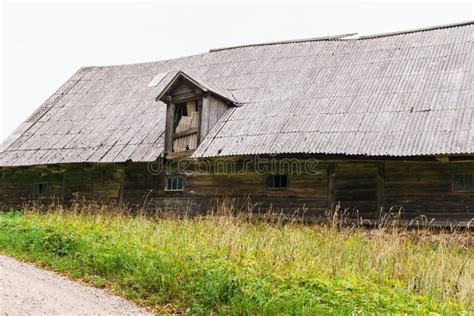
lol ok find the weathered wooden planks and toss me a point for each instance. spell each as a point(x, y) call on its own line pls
point(418, 187)
point(212, 110)
point(426, 188)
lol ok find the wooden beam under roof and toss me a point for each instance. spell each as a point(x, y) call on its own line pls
point(442, 159)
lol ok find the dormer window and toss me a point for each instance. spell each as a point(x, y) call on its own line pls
point(194, 107)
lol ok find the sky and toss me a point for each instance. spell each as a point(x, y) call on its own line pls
point(45, 43)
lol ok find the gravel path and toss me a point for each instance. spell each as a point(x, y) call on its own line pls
point(27, 290)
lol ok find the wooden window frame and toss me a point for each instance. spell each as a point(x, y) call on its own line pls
point(453, 182)
point(171, 177)
point(46, 188)
point(277, 188)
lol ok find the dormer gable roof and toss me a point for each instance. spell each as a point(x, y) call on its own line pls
point(204, 85)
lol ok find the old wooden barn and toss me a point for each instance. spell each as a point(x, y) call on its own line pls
point(368, 123)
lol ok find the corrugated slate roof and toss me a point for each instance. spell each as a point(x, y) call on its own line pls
point(101, 114)
point(404, 94)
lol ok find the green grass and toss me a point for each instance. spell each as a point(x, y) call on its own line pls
point(228, 265)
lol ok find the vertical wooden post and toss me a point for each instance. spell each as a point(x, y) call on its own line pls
point(380, 185)
point(169, 129)
point(204, 117)
point(199, 132)
point(331, 185)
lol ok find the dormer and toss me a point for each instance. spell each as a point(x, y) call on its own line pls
point(193, 107)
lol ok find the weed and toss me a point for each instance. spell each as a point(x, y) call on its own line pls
point(227, 263)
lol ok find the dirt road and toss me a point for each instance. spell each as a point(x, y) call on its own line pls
point(27, 290)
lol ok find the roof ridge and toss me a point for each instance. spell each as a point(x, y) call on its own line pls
point(302, 40)
point(422, 29)
point(343, 36)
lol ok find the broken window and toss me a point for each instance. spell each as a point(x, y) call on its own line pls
point(186, 118)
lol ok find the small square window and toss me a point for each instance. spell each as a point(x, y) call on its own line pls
point(40, 188)
point(463, 182)
point(277, 181)
point(174, 183)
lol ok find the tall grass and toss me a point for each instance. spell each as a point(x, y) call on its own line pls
point(230, 264)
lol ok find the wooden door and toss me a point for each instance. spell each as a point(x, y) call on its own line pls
point(355, 188)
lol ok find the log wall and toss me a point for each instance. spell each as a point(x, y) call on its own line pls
point(362, 187)
point(425, 188)
point(65, 183)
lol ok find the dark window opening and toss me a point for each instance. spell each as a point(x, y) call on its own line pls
point(40, 188)
point(174, 184)
point(180, 111)
point(277, 181)
point(189, 111)
point(463, 182)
